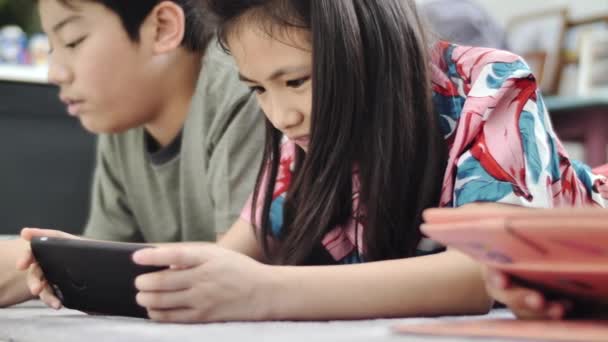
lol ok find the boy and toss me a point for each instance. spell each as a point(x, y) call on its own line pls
point(176, 152)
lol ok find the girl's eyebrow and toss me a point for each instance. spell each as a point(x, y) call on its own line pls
point(278, 73)
point(66, 21)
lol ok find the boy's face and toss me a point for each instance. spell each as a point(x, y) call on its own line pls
point(106, 80)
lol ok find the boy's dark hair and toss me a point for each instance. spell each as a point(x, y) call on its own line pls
point(199, 25)
point(372, 111)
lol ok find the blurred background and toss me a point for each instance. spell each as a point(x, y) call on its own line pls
point(19, 12)
point(46, 158)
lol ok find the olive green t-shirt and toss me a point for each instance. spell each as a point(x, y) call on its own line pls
point(195, 187)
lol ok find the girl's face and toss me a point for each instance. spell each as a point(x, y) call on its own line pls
point(279, 71)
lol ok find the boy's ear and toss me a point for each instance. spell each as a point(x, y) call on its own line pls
point(167, 26)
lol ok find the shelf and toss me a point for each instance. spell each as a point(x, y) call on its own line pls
point(567, 103)
point(23, 73)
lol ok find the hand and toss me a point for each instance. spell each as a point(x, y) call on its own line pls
point(205, 283)
point(524, 302)
point(603, 190)
point(36, 281)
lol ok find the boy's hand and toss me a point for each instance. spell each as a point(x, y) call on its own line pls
point(525, 303)
point(36, 282)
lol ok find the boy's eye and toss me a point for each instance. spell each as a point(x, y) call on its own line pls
point(76, 42)
point(297, 83)
point(257, 89)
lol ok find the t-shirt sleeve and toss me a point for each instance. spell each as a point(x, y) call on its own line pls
point(513, 155)
point(235, 161)
point(110, 217)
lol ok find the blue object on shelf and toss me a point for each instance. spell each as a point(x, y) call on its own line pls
point(13, 45)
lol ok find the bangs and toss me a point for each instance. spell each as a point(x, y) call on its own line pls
point(276, 19)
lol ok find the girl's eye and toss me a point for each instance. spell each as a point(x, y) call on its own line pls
point(75, 43)
point(297, 83)
point(257, 89)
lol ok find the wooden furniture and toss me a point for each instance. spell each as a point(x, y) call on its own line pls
point(593, 64)
point(582, 119)
point(549, 41)
point(538, 37)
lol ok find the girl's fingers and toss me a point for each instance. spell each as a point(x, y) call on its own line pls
point(165, 300)
point(175, 316)
point(524, 302)
point(520, 299)
point(497, 279)
point(553, 311)
point(558, 309)
point(167, 280)
point(183, 256)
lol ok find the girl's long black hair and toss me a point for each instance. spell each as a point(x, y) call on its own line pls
point(372, 112)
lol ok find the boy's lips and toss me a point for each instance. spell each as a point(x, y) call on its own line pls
point(73, 106)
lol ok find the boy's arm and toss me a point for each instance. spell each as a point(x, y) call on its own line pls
point(13, 287)
point(235, 161)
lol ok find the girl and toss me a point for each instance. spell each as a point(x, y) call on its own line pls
point(365, 130)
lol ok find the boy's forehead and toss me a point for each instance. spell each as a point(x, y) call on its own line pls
point(56, 14)
point(68, 6)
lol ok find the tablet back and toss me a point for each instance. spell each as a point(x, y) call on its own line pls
point(92, 276)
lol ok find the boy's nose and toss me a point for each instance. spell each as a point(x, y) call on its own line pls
point(58, 74)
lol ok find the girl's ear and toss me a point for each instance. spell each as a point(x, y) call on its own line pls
point(164, 28)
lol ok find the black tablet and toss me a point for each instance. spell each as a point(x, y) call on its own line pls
point(92, 276)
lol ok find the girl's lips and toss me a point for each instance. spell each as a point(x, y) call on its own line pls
point(302, 141)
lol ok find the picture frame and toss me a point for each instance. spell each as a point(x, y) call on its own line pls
point(593, 64)
point(538, 37)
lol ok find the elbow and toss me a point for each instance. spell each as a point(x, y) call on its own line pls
point(474, 305)
point(481, 302)
point(483, 306)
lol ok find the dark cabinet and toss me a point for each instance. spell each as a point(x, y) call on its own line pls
point(46, 161)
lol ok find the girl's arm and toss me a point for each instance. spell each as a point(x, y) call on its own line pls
point(216, 284)
point(241, 238)
point(442, 284)
point(445, 283)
